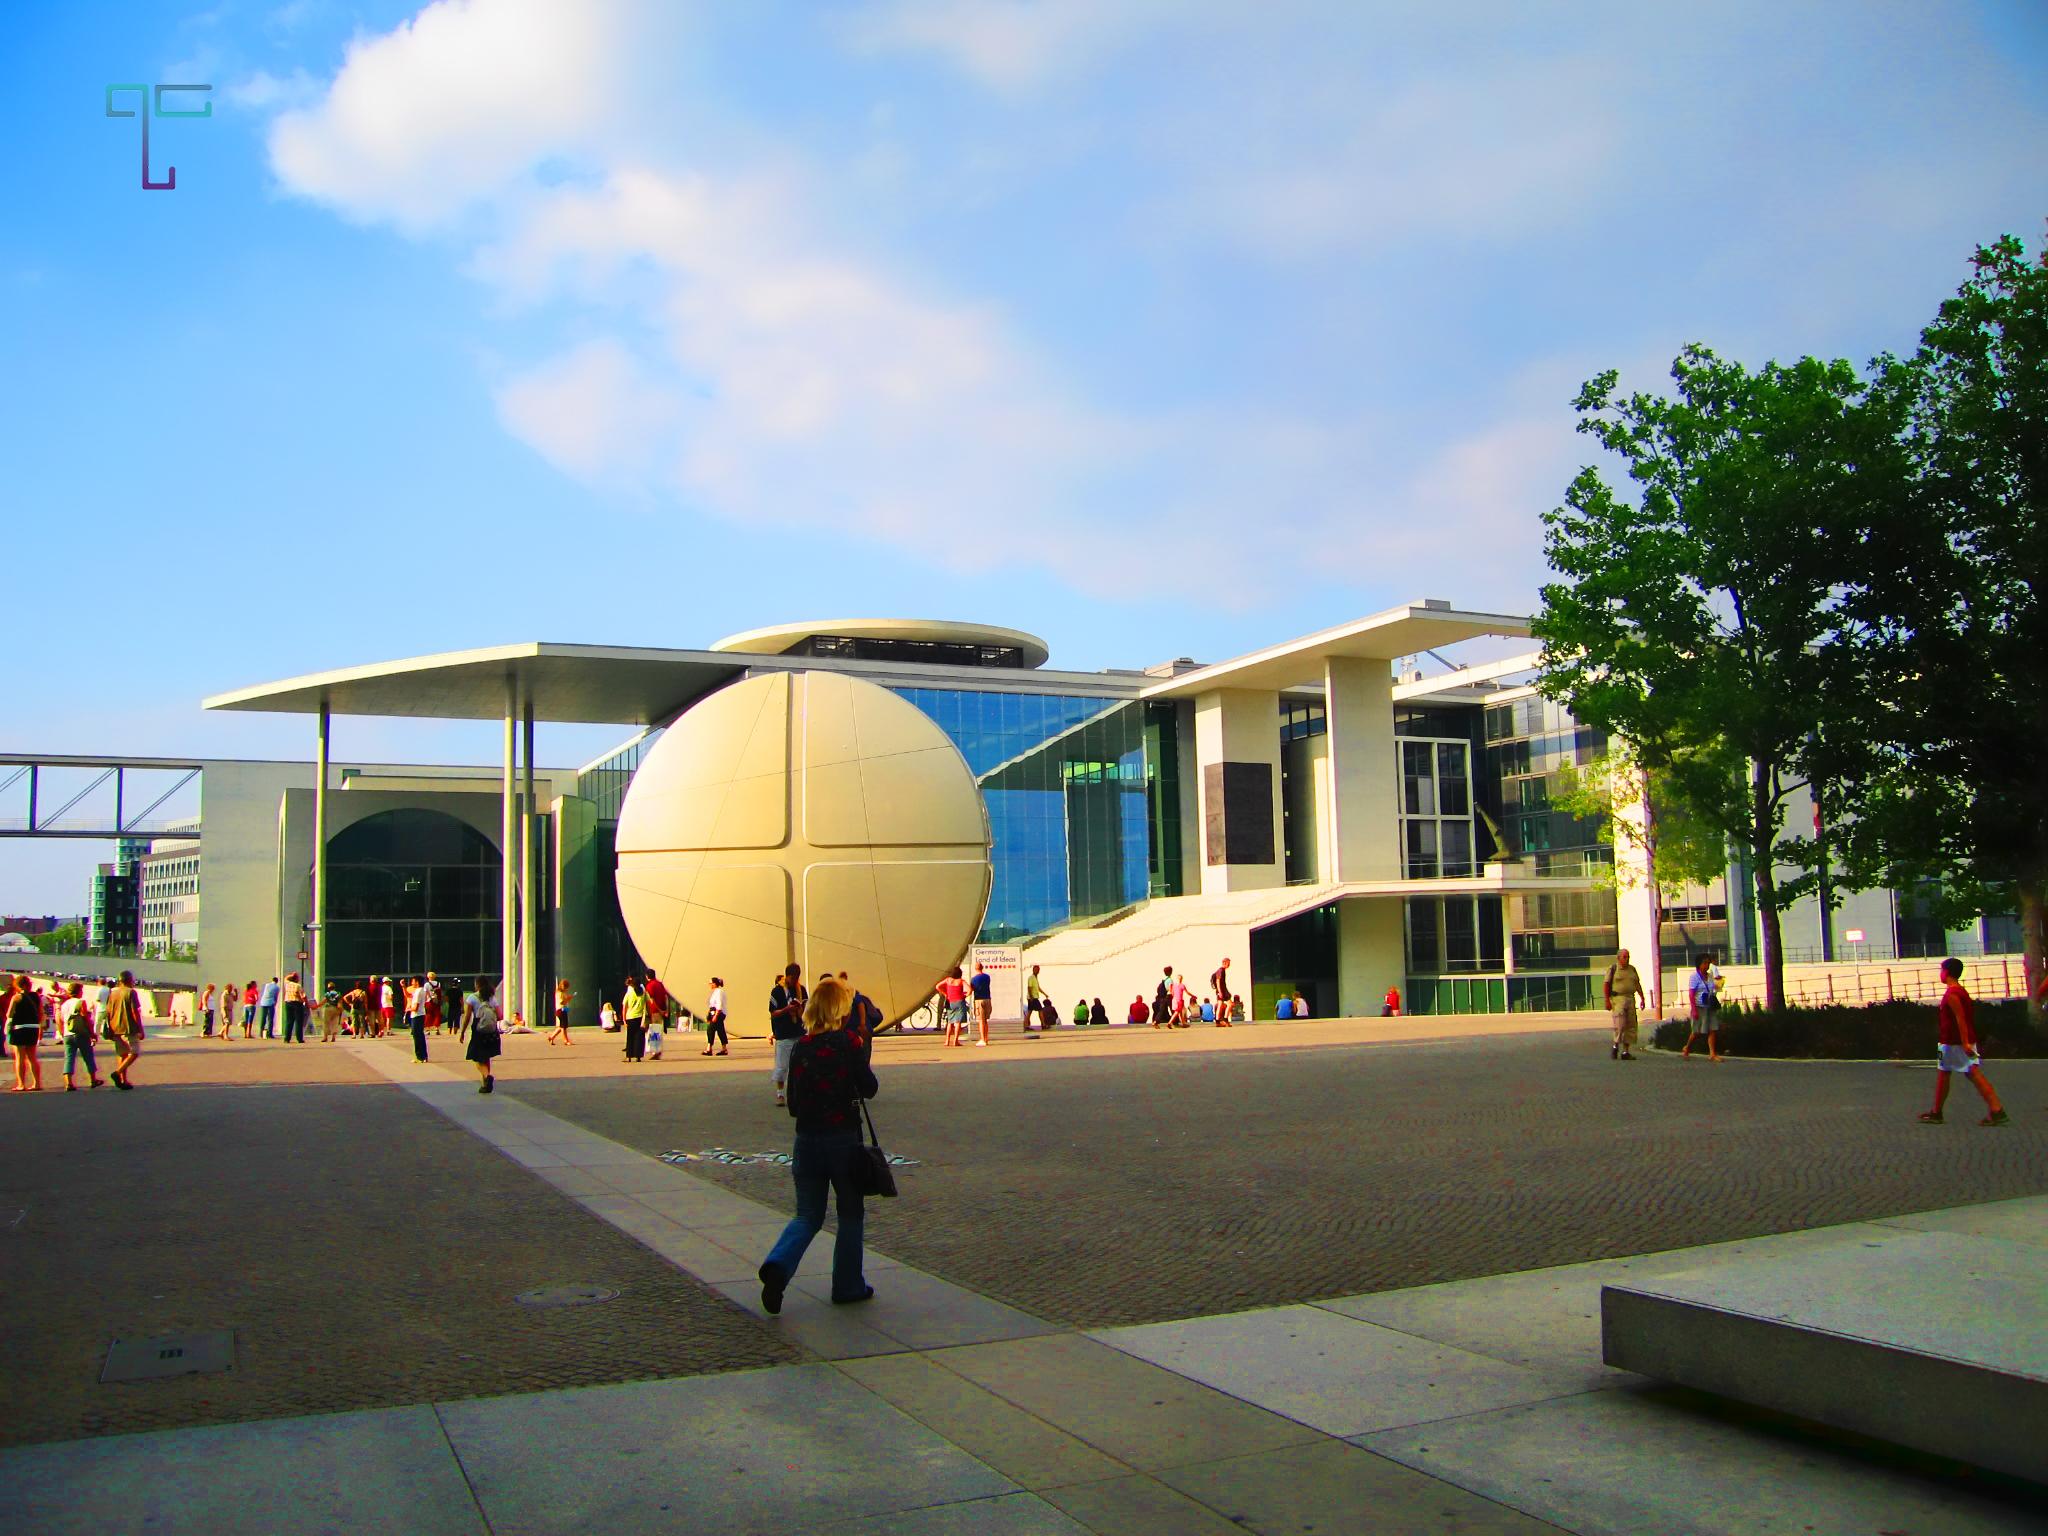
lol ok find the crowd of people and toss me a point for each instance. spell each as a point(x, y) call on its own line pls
point(1174, 1005)
point(112, 1013)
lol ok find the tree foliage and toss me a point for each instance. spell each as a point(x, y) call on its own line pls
point(1689, 617)
point(1679, 849)
point(1944, 640)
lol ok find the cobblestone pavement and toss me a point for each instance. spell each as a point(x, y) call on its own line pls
point(1111, 1191)
point(364, 1249)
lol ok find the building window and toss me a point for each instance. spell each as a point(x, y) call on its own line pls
point(411, 891)
point(1436, 808)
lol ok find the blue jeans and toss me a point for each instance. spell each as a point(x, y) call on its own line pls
point(76, 1050)
point(825, 1160)
point(266, 1014)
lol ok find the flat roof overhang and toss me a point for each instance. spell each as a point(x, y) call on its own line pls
point(1403, 631)
point(598, 684)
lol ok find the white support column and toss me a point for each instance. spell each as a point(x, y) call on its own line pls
point(316, 971)
point(529, 880)
point(1636, 902)
point(1237, 756)
point(1364, 837)
point(508, 847)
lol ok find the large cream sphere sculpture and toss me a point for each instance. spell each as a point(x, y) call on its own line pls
point(811, 817)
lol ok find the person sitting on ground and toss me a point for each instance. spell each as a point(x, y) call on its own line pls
point(1080, 1010)
point(1139, 1013)
point(1300, 1006)
point(1208, 1011)
point(1284, 1008)
point(1098, 1015)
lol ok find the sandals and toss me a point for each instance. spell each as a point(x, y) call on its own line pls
point(1996, 1117)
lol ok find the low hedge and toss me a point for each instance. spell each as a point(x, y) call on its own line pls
point(1896, 1031)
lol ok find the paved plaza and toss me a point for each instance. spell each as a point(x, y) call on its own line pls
point(1219, 1282)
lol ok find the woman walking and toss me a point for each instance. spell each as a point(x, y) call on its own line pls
point(480, 1023)
point(714, 1019)
point(76, 1017)
point(560, 1033)
point(635, 1008)
point(829, 1075)
point(24, 1032)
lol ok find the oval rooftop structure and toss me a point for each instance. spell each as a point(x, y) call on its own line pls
point(816, 638)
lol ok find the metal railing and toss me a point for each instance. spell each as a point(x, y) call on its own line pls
point(2000, 977)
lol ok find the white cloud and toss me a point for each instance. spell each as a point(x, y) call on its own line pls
point(450, 107)
point(594, 412)
point(807, 386)
point(1012, 45)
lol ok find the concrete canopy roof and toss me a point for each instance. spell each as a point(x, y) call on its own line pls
point(1402, 631)
point(580, 684)
point(776, 639)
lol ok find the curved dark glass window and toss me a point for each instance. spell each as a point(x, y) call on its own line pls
point(409, 892)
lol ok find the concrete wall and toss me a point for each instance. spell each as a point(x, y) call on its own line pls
point(1364, 832)
point(1237, 725)
point(1371, 954)
point(246, 925)
point(157, 973)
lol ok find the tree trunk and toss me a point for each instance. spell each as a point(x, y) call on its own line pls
point(1764, 832)
point(2033, 895)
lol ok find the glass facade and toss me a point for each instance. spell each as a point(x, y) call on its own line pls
point(1083, 801)
point(604, 783)
point(411, 891)
point(1436, 808)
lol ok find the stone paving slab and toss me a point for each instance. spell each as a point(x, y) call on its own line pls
point(749, 1451)
point(1012, 1514)
point(1138, 1505)
point(1135, 1412)
point(2011, 1221)
point(1335, 1489)
point(1641, 1459)
point(332, 1475)
point(1332, 1373)
point(1025, 1449)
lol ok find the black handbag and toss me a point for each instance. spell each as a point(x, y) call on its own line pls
point(872, 1172)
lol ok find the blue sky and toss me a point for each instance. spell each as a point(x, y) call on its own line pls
point(1155, 328)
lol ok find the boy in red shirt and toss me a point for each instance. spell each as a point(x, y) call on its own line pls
point(1957, 1051)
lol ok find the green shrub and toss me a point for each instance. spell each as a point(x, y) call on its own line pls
point(1892, 1031)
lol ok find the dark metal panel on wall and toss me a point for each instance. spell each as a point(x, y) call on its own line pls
point(1237, 813)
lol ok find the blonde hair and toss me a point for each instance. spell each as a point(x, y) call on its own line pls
point(831, 1001)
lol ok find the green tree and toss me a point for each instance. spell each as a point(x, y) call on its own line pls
point(1945, 644)
point(1688, 619)
point(65, 939)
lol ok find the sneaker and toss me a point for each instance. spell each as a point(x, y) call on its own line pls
point(1614, 1053)
point(1996, 1117)
point(1930, 1118)
point(865, 1293)
point(773, 1283)
point(1627, 1056)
